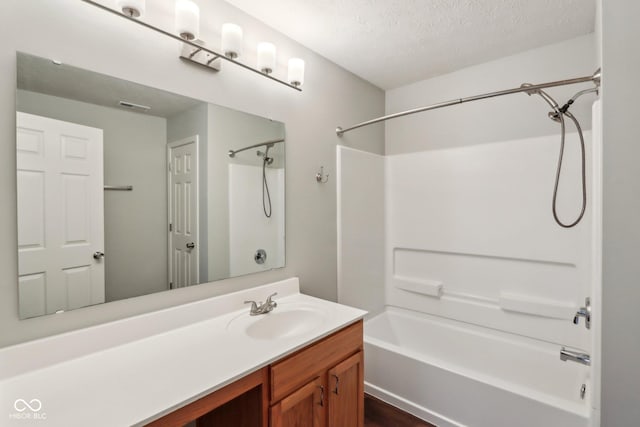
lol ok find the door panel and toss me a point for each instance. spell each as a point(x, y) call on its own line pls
point(183, 213)
point(60, 215)
point(346, 393)
point(302, 408)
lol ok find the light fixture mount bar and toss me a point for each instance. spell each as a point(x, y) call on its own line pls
point(189, 43)
point(200, 57)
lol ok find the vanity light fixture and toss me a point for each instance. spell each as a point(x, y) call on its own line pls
point(187, 29)
point(266, 57)
point(132, 8)
point(296, 72)
point(231, 40)
point(187, 19)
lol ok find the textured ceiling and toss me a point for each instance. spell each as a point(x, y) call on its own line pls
point(395, 42)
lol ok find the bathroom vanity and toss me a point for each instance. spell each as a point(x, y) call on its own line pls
point(200, 364)
point(321, 383)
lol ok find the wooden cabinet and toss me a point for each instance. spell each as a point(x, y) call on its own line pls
point(346, 393)
point(243, 403)
point(321, 385)
point(304, 407)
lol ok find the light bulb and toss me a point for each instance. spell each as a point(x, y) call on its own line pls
point(132, 8)
point(187, 19)
point(296, 72)
point(231, 40)
point(266, 57)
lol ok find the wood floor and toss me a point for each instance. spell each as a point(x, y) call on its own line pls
point(380, 414)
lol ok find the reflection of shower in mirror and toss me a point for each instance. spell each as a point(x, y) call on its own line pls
point(266, 161)
point(126, 129)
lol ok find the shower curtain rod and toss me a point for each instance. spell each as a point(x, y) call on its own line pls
point(595, 78)
point(232, 153)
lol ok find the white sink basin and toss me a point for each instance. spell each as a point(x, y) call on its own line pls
point(282, 322)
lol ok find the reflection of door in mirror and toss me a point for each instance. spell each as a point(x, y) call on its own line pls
point(220, 219)
point(60, 215)
point(183, 212)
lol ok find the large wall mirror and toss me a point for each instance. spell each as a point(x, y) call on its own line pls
point(126, 190)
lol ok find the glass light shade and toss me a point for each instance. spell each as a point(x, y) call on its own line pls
point(133, 8)
point(231, 40)
point(187, 19)
point(266, 57)
point(296, 72)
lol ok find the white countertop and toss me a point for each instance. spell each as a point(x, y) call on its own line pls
point(136, 370)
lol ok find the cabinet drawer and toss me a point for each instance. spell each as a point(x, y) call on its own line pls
point(303, 366)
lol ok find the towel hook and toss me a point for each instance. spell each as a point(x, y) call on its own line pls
point(321, 177)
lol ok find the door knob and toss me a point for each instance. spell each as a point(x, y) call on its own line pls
point(98, 255)
point(191, 245)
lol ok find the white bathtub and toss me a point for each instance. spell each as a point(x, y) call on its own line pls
point(456, 374)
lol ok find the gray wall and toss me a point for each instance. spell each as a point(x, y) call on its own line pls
point(134, 154)
point(81, 35)
point(184, 125)
point(498, 119)
point(621, 246)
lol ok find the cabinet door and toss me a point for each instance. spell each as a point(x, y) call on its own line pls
point(346, 393)
point(304, 407)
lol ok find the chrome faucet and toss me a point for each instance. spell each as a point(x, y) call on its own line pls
point(262, 308)
point(575, 356)
point(584, 312)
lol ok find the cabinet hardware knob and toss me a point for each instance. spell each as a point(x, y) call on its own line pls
point(321, 395)
point(335, 390)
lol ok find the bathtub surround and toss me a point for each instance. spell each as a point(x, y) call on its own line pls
point(82, 35)
point(471, 282)
point(360, 181)
point(466, 242)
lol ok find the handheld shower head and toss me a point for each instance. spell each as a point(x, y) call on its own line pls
point(554, 115)
point(265, 156)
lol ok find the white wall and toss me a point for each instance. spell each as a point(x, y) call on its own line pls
point(621, 246)
point(497, 119)
point(471, 237)
point(361, 229)
point(132, 142)
point(84, 36)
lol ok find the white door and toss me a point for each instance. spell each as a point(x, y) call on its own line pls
point(60, 215)
point(183, 212)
